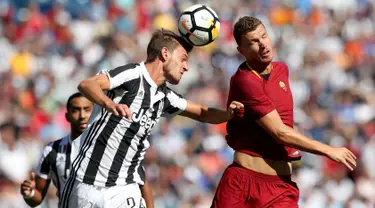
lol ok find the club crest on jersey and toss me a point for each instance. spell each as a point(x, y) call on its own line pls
point(143, 119)
point(140, 93)
point(282, 85)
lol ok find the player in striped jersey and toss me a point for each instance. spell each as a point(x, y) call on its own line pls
point(129, 101)
point(56, 158)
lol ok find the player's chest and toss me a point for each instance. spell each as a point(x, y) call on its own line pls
point(63, 163)
point(278, 90)
point(146, 109)
point(147, 100)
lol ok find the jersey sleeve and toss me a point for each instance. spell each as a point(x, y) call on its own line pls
point(174, 104)
point(43, 169)
point(251, 94)
point(121, 75)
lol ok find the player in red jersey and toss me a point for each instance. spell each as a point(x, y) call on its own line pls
point(262, 134)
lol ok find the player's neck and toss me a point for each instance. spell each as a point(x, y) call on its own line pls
point(155, 70)
point(261, 68)
point(74, 134)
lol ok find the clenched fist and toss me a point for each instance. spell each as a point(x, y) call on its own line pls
point(28, 185)
point(118, 109)
point(234, 106)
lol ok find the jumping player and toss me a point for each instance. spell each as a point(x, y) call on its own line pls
point(262, 134)
point(130, 100)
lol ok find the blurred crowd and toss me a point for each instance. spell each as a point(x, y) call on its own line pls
point(48, 46)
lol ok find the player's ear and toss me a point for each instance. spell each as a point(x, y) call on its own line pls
point(164, 54)
point(239, 49)
point(67, 117)
point(242, 51)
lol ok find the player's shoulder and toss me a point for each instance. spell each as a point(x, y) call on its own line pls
point(243, 74)
point(54, 145)
point(168, 92)
point(122, 68)
point(51, 147)
point(280, 66)
point(127, 66)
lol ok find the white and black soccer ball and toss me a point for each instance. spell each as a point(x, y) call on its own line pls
point(199, 24)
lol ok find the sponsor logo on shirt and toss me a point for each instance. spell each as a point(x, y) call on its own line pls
point(144, 120)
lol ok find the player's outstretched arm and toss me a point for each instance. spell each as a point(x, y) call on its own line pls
point(210, 115)
point(93, 87)
point(34, 190)
point(147, 194)
point(283, 134)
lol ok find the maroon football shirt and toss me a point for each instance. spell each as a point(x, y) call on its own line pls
point(260, 97)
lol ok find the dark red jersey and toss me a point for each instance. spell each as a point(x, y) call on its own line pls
point(260, 96)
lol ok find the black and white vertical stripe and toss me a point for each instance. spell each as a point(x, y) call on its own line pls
point(113, 148)
point(54, 163)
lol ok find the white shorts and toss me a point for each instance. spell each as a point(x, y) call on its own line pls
point(89, 196)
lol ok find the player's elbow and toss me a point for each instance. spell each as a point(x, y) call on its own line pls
point(33, 203)
point(283, 135)
point(82, 86)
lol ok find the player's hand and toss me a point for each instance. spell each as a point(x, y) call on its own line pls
point(344, 156)
point(28, 185)
point(233, 107)
point(119, 109)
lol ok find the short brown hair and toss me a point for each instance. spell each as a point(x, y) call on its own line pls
point(71, 98)
point(165, 38)
point(244, 25)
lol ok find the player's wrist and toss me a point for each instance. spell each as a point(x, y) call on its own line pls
point(108, 103)
point(30, 196)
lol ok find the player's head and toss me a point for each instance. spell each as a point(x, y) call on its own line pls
point(78, 112)
point(252, 40)
point(172, 50)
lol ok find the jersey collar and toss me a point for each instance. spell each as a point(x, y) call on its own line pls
point(147, 75)
point(254, 72)
point(69, 137)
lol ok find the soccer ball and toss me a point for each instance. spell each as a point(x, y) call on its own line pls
point(199, 24)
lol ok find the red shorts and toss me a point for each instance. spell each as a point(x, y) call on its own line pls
point(240, 187)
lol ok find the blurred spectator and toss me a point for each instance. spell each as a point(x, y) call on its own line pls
point(14, 163)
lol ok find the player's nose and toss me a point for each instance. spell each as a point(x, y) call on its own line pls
point(185, 67)
point(83, 115)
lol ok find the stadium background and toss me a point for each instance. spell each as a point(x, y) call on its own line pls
point(47, 47)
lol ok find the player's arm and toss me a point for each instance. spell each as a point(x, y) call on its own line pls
point(260, 108)
point(93, 88)
point(34, 190)
point(209, 115)
point(283, 134)
point(147, 194)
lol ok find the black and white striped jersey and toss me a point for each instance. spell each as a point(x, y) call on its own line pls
point(113, 148)
point(55, 161)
